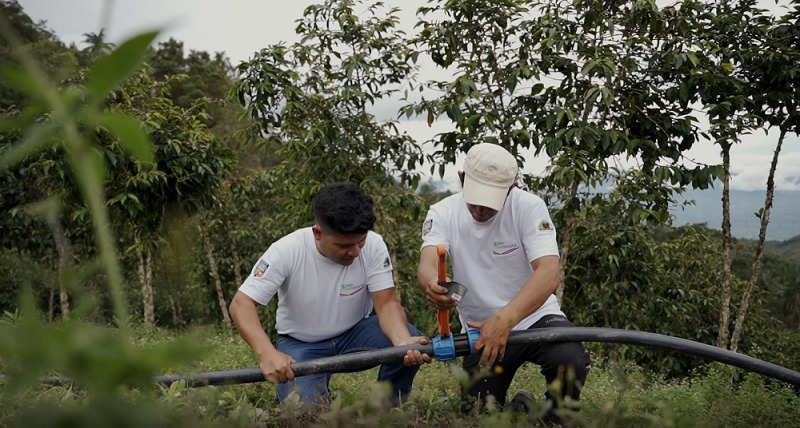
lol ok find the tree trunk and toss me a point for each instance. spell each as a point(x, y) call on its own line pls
point(725, 293)
point(176, 321)
point(212, 264)
point(145, 270)
point(791, 306)
point(566, 240)
point(51, 305)
point(237, 270)
point(148, 271)
point(762, 237)
point(64, 257)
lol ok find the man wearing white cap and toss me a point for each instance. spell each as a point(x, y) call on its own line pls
point(502, 245)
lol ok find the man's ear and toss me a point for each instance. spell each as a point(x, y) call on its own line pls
point(317, 232)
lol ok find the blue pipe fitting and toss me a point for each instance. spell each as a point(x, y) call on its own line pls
point(473, 334)
point(444, 348)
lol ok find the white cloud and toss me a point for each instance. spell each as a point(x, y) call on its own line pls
point(237, 27)
point(752, 175)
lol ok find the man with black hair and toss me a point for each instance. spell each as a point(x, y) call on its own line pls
point(328, 277)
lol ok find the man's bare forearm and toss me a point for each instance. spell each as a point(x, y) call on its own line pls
point(537, 289)
point(428, 268)
point(244, 312)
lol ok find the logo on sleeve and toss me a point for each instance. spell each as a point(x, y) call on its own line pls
point(261, 269)
point(427, 227)
point(386, 262)
point(545, 226)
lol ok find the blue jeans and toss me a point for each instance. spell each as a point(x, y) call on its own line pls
point(366, 335)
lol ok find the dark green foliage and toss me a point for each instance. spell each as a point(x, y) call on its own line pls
point(202, 80)
point(583, 82)
point(619, 276)
point(313, 100)
point(778, 281)
point(190, 161)
point(195, 77)
point(639, 277)
point(58, 62)
point(19, 272)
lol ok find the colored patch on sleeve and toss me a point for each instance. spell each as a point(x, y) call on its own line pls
point(261, 269)
point(427, 227)
point(545, 225)
point(386, 263)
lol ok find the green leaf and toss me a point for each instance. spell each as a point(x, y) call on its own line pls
point(591, 95)
point(692, 58)
point(37, 138)
point(111, 70)
point(587, 68)
point(24, 81)
point(129, 133)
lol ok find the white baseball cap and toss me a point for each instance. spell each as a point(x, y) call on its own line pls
point(489, 172)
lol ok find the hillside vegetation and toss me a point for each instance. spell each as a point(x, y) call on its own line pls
point(788, 249)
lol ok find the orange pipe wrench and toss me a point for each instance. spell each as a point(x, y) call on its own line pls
point(443, 315)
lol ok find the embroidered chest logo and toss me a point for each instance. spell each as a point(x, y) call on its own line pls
point(261, 269)
point(502, 248)
point(350, 289)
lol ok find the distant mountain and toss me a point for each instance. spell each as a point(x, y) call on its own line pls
point(784, 220)
point(789, 250)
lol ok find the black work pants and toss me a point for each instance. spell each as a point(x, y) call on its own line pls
point(567, 362)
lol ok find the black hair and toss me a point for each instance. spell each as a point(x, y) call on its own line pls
point(343, 208)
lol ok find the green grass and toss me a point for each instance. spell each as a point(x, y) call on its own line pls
point(612, 397)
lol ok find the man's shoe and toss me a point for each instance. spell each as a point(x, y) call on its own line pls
point(521, 403)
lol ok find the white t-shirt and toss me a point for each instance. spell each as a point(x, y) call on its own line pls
point(493, 259)
point(318, 298)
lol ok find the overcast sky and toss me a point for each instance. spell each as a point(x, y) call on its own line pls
point(241, 27)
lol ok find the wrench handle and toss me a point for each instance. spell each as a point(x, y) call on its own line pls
point(443, 315)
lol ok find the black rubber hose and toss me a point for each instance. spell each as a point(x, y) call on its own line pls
point(352, 362)
point(344, 363)
point(363, 360)
point(654, 340)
